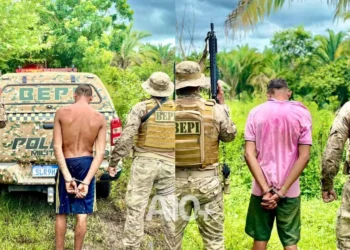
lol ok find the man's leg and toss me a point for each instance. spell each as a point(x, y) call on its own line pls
point(61, 228)
point(165, 185)
point(80, 231)
point(183, 211)
point(210, 216)
point(288, 222)
point(343, 220)
point(139, 189)
point(259, 223)
point(294, 247)
point(259, 245)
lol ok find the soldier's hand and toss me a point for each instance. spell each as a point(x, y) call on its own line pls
point(71, 187)
point(329, 196)
point(112, 171)
point(220, 94)
point(83, 189)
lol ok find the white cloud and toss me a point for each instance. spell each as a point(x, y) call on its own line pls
point(158, 17)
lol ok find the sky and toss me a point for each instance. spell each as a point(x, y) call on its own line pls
point(159, 18)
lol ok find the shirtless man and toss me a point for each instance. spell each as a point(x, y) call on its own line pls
point(76, 129)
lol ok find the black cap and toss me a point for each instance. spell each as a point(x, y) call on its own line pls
point(278, 83)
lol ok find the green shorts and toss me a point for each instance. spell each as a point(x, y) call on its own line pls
point(260, 221)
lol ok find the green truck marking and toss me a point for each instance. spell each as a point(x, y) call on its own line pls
point(42, 93)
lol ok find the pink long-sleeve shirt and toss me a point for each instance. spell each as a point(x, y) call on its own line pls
point(277, 128)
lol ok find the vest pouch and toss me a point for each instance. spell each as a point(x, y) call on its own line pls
point(158, 132)
point(189, 144)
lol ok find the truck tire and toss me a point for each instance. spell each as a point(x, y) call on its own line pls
point(103, 189)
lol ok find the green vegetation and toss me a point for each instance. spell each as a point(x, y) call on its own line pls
point(317, 229)
point(88, 35)
point(316, 67)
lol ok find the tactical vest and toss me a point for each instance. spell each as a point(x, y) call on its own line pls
point(197, 139)
point(3, 116)
point(158, 132)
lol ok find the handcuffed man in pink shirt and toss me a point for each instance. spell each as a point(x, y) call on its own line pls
point(278, 140)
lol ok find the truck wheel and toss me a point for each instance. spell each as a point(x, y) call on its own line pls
point(103, 189)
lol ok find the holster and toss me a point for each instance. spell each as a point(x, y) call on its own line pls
point(227, 189)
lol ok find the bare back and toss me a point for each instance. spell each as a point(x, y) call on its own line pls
point(80, 126)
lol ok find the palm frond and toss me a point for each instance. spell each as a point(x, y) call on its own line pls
point(250, 12)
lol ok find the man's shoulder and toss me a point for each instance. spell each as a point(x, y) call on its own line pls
point(300, 108)
point(259, 108)
point(98, 115)
point(344, 110)
point(63, 110)
point(299, 105)
point(346, 107)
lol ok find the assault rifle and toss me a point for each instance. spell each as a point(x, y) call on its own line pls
point(214, 77)
point(174, 70)
point(214, 72)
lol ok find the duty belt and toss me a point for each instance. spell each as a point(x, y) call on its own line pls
point(186, 173)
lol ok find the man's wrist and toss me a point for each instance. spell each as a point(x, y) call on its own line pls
point(283, 190)
point(266, 189)
point(326, 187)
point(68, 179)
point(86, 182)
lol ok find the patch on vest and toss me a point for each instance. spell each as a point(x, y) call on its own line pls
point(164, 116)
point(188, 128)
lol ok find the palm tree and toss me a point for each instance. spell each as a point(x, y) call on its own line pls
point(127, 55)
point(162, 54)
point(330, 48)
point(244, 69)
point(250, 12)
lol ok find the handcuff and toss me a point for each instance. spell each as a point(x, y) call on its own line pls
point(81, 182)
point(274, 190)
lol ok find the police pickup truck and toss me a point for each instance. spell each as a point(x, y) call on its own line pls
point(27, 160)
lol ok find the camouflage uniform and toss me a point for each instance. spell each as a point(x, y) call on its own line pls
point(149, 169)
point(339, 134)
point(201, 184)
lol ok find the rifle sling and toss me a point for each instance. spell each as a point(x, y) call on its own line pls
point(148, 115)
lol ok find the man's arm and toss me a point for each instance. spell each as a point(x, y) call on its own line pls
point(298, 168)
point(228, 129)
point(57, 139)
point(334, 151)
point(254, 167)
point(125, 142)
point(71, 185)
point(100, 147)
